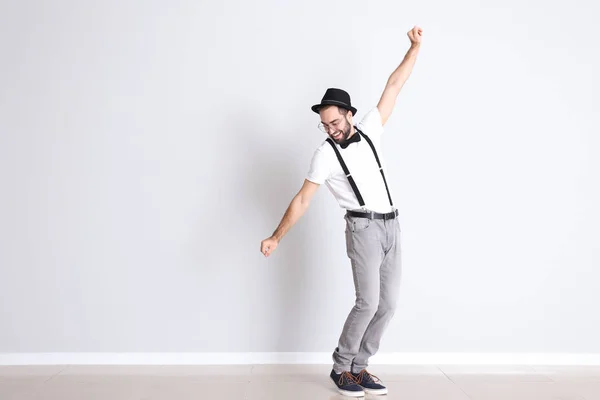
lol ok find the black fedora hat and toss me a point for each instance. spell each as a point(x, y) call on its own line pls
point(335, 97)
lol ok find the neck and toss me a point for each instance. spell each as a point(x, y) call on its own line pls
point(352, 131)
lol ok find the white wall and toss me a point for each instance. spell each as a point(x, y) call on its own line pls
point(146, 149)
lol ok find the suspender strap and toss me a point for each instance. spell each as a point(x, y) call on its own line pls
point(378, 163)
point(348, 175)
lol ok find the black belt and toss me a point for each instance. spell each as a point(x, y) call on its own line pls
point(372, 215)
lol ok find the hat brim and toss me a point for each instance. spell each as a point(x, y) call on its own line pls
point(317, 107)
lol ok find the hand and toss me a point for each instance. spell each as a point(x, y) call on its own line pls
point(415, 36)
point(268, 245)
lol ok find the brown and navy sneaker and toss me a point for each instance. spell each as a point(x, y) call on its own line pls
point(370, 383)
point(346, 384)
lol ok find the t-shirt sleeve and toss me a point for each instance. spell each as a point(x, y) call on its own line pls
point(320, 167)
point(371, 123)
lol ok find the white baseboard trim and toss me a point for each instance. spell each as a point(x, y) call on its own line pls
point(295, 358)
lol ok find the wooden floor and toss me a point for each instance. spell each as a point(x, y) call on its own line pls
point(289, 382)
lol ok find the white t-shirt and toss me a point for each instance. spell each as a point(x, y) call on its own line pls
point(360, 160)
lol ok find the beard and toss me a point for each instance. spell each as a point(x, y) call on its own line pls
point(345, 133)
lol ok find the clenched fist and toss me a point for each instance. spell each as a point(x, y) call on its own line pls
point(268, 245)
point(415, 35)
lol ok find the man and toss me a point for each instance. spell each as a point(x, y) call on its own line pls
point(349, 163)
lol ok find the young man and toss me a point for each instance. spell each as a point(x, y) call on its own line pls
point(349, 163)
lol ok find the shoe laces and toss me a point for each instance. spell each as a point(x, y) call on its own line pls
point(346, 378)
point(364, 376)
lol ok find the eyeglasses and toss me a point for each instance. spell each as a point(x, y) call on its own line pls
point(325, 127)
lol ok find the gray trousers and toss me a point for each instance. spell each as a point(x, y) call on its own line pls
point(373, 247)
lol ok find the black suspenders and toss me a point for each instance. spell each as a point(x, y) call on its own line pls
point(349, 176)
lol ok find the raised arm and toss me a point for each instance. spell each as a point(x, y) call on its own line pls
point(295, 210)
point(399, 76)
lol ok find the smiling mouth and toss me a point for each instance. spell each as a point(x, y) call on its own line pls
point(337, 136)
